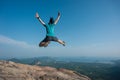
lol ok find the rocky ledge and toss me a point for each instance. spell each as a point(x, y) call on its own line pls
point(16, 71)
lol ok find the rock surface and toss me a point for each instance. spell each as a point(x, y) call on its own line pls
point(15, 71)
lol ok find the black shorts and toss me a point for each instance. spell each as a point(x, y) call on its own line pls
point(50, 38)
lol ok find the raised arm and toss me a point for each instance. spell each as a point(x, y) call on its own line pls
point(40, 20)
point(58, 17)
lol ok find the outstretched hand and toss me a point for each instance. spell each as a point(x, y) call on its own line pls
point(37, 15)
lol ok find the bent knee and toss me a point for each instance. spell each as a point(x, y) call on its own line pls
point(41, 44)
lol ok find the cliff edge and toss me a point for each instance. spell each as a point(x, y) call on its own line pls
point(16, 71)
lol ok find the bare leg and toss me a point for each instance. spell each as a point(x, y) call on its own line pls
point(61, 42)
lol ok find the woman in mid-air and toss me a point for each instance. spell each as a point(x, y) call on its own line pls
point(50, 35)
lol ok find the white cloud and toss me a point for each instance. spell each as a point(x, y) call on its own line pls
point(13, 48)
point(9, 41)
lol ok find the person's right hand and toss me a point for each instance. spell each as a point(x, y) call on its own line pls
point(37, 15)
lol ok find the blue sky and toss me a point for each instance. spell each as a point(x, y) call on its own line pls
point(89, 27)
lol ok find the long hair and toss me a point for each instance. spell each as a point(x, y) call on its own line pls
point(51, 21)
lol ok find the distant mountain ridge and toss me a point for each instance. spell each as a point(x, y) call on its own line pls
point(64, 59)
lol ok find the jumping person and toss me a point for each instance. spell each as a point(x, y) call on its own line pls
point(50, 35)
